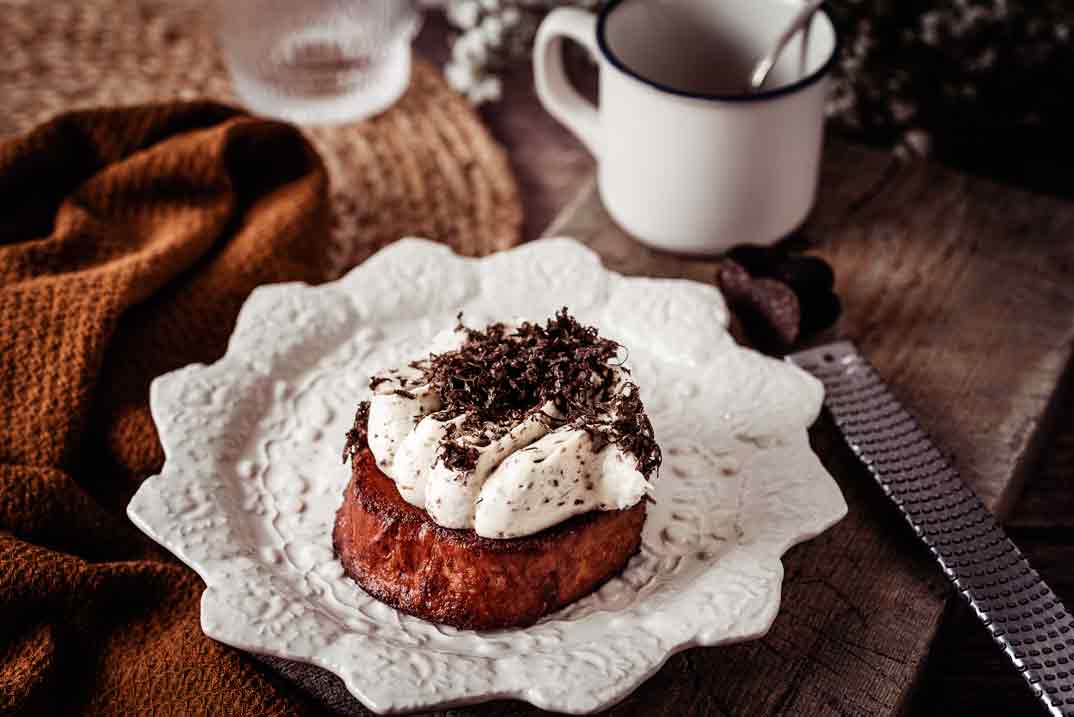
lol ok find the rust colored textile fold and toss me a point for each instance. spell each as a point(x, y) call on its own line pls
point(128, 241)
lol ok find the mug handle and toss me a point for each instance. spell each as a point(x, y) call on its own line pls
point(553, 88)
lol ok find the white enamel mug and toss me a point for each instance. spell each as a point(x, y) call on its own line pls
point(688, 161)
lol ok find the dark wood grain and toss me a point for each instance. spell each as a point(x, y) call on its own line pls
point(1046, 510)
point(862, 602)
point(965, 668)
point(959, 291)
point(963, 675)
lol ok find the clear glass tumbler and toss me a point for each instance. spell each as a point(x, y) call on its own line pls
point(317, 61)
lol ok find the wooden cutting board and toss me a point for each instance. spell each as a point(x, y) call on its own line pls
point(961, 292)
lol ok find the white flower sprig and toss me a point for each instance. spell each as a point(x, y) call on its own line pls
point(494, 34)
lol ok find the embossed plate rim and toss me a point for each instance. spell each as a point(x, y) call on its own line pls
point(273, 598)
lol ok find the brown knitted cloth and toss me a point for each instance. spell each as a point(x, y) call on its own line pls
point(427, 166)
point(129, 240)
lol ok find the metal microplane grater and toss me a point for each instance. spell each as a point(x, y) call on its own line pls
point(1021, 612)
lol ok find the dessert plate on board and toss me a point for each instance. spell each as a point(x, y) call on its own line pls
point(253, 477)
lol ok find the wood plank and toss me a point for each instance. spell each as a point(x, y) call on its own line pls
point(959, 290)
point(966, 670)
point(1047, 511)
point(551, 165)
point(965, 676)
point(863, 602)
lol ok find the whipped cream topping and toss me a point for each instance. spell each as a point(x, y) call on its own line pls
point(529, 473)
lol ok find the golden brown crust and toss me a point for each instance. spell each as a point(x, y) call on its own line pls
point(397, 554)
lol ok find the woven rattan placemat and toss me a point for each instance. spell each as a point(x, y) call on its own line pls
point(425, 167)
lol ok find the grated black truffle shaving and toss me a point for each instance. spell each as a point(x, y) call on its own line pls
point(358, 435)
point(456, 455)
point(499, 377)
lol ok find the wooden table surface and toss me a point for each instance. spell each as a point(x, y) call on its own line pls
point(964, 674)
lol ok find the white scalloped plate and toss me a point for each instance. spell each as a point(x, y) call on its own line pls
point(253, 477)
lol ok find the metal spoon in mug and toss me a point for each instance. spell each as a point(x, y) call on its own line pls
point(765, 64)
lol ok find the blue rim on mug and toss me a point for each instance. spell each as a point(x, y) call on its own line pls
point(816, 75)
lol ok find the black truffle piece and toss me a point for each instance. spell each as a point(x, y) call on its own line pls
point(757, 260)
point(819, 311)
point(805, 274)
point(768, 309)
point(765, 312)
